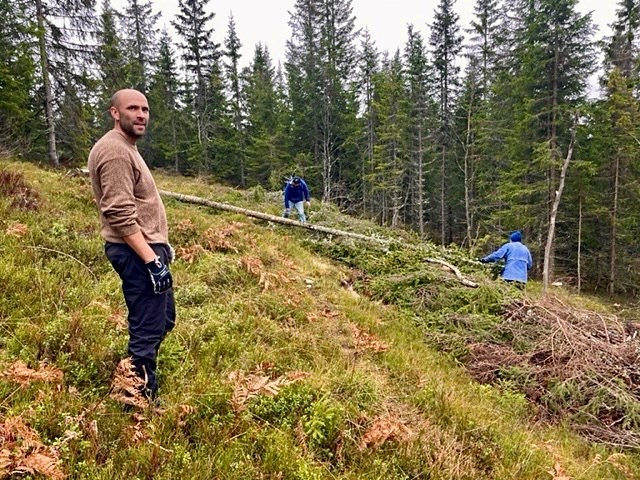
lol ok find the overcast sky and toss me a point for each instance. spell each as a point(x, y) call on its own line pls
point(266, 21)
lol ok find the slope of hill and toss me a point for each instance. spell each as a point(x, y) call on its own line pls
point(295, 356)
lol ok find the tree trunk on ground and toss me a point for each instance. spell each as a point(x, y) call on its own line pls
point(317, 228)
point(269, 217)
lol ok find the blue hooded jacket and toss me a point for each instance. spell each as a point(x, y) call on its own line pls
point(295, 193)
point(517, 259)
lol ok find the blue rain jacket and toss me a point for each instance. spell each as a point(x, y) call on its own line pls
point(517, 259)
point(295, 194)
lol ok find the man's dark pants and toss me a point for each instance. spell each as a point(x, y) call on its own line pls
point(151, 316)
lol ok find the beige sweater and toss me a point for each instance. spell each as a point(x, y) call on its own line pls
point(125, 192)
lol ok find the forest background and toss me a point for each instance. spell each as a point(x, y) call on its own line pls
point(407, 138)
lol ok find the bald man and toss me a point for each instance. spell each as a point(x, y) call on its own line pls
point(134, 228)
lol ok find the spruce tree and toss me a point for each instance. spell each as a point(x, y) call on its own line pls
point(478, 118)
point(553, 56)
point(320, 63)
point(200, 55)
point(368, 66)
point(62, 48)
point(392, 150)
point(236, 141)
point(420, 126)
point(17, 77)
point(621, 50)
point(265, 121)
point(111, 62)
point(166, 128)
point(139, 23)
point(446, 44)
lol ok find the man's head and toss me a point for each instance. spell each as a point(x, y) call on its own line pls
point(130, 112)
point(516, 236)
point(295, 181)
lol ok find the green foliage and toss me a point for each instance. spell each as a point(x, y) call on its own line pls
point(62, 305)
point(17, 77)
point(286, 409)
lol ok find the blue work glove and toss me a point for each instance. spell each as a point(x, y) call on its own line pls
point(160, 275)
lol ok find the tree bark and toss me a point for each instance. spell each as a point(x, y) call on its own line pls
point(614, 220)
point(48, 91)
point(549, 247)
point(269, 217)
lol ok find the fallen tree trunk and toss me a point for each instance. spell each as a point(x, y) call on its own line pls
point(294, 223)
point(270, 218)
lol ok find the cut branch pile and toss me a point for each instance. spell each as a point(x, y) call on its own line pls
point(572, 363)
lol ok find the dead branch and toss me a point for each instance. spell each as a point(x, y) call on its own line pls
point(465, 281)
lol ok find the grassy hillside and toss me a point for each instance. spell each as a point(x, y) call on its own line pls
point(295, 356)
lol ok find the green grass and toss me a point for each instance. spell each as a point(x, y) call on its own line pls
point(288, 312)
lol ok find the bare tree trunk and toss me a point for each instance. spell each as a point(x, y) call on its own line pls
point(48, 90)
point(555, 155)
point(467, 176)
point(420, 185)
point(549, 247)
point(174, 144)
point(443, 186)
point(614, 232)
point(580, 245)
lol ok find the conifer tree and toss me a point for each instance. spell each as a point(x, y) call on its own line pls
point(392, 150)
point(622, 51)
point(110, 60)
point(320, 63)
point(139, 23)
point(200, 56)
point(553, 53)
point(17, 77)
point(479, 120)
point(236, 141)
point(265, 121)
point(619, 188)
point(420, 126)
point(368, 66)
point(446, 44)
point(61, 48)
point(167, 126)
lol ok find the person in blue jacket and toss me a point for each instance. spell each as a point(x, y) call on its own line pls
point(295, 192)
point(517, 259)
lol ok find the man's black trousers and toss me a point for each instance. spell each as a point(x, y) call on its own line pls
point(151, 316)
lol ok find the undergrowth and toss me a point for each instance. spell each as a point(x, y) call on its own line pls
point(294, 356)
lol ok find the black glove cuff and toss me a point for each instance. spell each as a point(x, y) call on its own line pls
point(155, 265)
